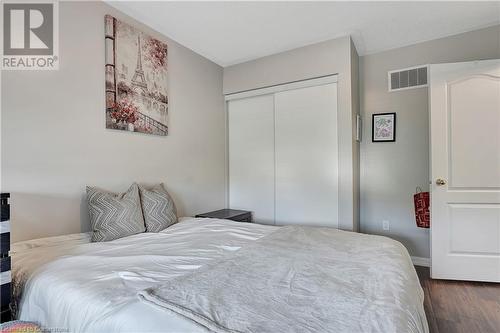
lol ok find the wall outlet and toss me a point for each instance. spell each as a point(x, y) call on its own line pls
point(386, 225)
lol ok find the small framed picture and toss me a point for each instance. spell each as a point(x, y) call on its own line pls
point(384, 127)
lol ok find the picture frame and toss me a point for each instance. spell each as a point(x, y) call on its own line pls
point(136, 77)
point(384, 127)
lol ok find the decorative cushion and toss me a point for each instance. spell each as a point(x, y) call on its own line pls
point(158, 208)
point(18, 326)
point(113, 216)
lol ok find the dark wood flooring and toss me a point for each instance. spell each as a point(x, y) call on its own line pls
point(460, 307)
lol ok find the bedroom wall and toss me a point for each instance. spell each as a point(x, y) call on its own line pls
point(391, 171)
point(54, 140)
point(336, 56)
point(355, 144)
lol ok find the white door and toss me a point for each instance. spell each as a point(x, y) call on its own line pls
point(251, 156)
point(307, 156)
point(465, 170)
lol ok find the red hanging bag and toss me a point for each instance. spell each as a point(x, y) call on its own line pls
point(422, 213)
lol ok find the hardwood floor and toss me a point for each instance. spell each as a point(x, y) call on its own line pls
point(460, 307)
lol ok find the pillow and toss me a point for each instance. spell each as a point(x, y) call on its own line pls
point(113, 216)
point(158, 208)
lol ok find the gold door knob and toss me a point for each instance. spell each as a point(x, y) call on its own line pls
point(440, 182)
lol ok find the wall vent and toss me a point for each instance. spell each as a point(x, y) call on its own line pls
point(408, 78)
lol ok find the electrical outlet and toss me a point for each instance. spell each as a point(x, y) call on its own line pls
point(386, 225)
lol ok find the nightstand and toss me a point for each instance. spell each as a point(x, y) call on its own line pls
point(5, 277)
point(229, 214)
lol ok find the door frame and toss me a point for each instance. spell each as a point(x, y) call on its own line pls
point(317, 81)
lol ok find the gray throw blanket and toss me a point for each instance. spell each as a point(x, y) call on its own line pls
point(302, 279)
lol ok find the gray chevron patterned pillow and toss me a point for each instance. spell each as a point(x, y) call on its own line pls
point(113, 216)
point(158, 208)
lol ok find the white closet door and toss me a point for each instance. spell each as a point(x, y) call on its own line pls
point(307, 156)
point(251, 156)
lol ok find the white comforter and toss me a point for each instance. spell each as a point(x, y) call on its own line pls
point(75, 285)
point(92, 287)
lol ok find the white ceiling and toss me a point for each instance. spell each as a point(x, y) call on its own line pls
point(232, 32)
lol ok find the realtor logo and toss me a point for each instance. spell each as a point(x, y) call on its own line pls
point(30, 33)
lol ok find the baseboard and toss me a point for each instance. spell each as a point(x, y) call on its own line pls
point(421, 261)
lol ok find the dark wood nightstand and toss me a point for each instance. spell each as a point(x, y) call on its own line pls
point(5, 288)
point(229, 214)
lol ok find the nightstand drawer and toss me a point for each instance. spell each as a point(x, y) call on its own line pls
point(5, 241)
point(5, 264)
point(5, 280)
point(5, 291)
point(5, 316)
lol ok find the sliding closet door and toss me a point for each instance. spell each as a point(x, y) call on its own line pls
point(251, 156)
point(307, 156)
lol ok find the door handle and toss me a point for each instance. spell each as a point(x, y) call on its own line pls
point(440, 182)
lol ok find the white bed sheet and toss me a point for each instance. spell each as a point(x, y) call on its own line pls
point(72, 284)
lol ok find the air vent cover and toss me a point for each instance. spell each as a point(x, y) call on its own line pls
point(408, 78)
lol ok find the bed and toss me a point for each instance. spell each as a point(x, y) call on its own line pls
point(68, 283)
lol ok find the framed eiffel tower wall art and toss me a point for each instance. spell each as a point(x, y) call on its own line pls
point(136, 80)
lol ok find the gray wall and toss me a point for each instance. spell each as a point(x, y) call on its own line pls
point(54, 140)
point(355, 144)
point(331, 57)
point(391, 171)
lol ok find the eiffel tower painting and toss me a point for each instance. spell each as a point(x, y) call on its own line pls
point(136, 99)
point(138, 80)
